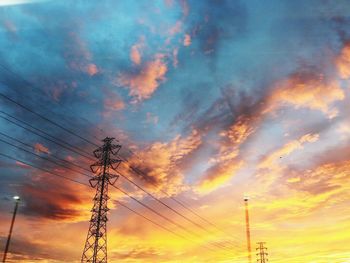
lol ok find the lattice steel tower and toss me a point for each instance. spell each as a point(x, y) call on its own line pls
point(95, 250)
point(262, 255)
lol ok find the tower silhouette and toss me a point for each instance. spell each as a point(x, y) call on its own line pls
point(262, 255)
point(95, 250)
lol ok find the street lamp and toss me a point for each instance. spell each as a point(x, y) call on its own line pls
point(17, 199)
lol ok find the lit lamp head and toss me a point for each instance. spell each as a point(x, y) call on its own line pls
point(246, 198)
point(17, 198)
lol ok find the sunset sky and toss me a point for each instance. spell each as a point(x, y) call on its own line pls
point(212, 100)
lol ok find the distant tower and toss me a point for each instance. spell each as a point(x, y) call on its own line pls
point(248, 229)
point(95, 250)
point(262, 255)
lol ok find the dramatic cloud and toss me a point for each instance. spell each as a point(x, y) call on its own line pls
point(58, 201)
point(226, 163)
point(343, 62)
point(218, 175)
point(209, 101)
point(144, 83)
point(160, 162)
point(330, 178)
point(307, 90)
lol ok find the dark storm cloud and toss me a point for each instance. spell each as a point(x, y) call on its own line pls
point(50, 199)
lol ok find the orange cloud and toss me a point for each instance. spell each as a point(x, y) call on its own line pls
point(92, 69)
point(225, 164)
point(39, 148)
point(218, 175)
point(113, 102)
point(329, 179)
point(234, 137)
point(239, 131)
point(143, 84)
point(135, 55)
point(160, 161)
point(305, 90)
point(187, 40)
point(135, 52)
point(343, 62)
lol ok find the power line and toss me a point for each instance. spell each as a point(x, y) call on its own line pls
point(35, 87)
point(44, 158)
point(162, 216)
point(164, 204)
point(51, 155)
point(168, 230)
point(122, 175)
point(73, 133)
point(181, 203)
point(146, 218)
point(154, 211)
point(62, 127)
point(75, 181)
point(46, 138)
point(40, 130)
point(61, 146)
point(54, 162)
point(46, 119)
point(42, 169)
point(91, 158)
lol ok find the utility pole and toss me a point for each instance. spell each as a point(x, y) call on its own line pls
point(17, 199)
point(262, 255)
point(248, 229)
point(95, 250)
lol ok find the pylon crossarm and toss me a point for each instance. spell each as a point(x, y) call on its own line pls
point(114, 163)
point(112, 178)
point(98, 152)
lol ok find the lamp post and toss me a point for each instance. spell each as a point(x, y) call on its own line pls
point(17, 199)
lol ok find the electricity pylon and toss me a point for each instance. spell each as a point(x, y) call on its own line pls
point(262, 255)
point(95, 250)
